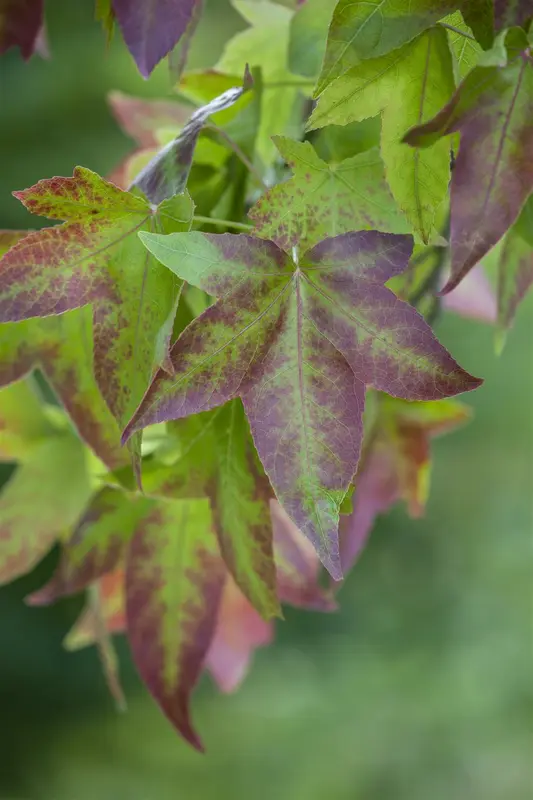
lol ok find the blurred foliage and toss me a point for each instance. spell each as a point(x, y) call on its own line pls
point(419, 688)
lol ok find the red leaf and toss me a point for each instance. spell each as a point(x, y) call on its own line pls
point(20, 24)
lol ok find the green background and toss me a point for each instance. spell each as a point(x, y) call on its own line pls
point(418, 689)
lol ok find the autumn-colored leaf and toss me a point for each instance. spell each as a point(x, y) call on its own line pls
point(298, 342)
point(397, 465)
point(96, 546)
point(142, 118)
point(511, 12)
point(174, 581)
point(239, 631)
point(407, 86)
point(361, 31)
point(36, 507)
point(20, 24)
point(152, 28)
point(493, 173)
point(96, 258)
point(324, 200)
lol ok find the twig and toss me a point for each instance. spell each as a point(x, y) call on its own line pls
point(227, 223)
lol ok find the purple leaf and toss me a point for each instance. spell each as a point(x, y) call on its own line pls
point(20, 24)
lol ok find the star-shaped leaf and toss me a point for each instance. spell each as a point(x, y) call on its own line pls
point(407, 85)
point(493, 173)
point(324, 200)
point(96, 258)
point(298, 342)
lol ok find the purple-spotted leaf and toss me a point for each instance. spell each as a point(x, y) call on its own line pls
point(239, 631)
point(44, 497)
point(324, 200)
point(96, 258)
point(493, 173)
point(62, 348)
point(515, 266)
point(166, 174)
point(298, 342)
point(96, 546)
point(23, 421)
point(397, 465)
point(20, 24)
point(152, 28)
point(174, 581)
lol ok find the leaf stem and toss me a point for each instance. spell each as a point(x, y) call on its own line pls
point(282, 84)
point(227, 223)
point(457, 30)
point(239, 153)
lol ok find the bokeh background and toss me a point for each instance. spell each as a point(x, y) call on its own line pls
point(418, 689)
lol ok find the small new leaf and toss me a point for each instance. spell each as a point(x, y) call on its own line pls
point(299, 343)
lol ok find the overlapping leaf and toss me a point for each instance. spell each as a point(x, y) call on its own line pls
point(408, 85)
point(308, 34)
point(152, 29)
point(511, 12)
point(20, 23)
point(493, 174)
point(39, 484)
point(396, 466)
point(324, 200)
point(298, 343)
point(361, 30)
point(95, 258)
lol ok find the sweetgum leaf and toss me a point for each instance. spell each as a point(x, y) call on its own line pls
point(265, 44)
point(97, 545)
point(23, 423)
point(397, 465)
point(324, 200)
point(174, 581)
point(307, 36)
point(406, 85)
point(85, 632)
point(167, 173)
point(474, 298)
point(511, 12)
point(466, 51)
point(20, 24)
point(62, 347)
point(95, 258)
point(35, 507)
point(141, 118)
point(493, 173)
point(239, 631)
point(298, 343)
point(515, 266)
point(152, 28)
point(361, 30)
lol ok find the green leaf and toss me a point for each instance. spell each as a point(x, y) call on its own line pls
point(360, 30)
point(174, 581)
point(45, 496)
point(515, 266)
point(407, 85)
point(96, 258)
point(466, 51)
point(298, 342)
point(23, 422)
point(324, 200)
point(307, 36)
point(265, 44)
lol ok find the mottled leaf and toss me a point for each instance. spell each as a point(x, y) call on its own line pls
point(298, 343)
point(515, 266)
point(324, 200)
point(174, 581)
point(62, 347)
point(365, 30)
point(141, 118)
point(307, 36)
point(152, 28)
point(397, 465)
point(166, 174)
point(84, 632)
point(20, 24)
point(96, 258)
point(493, 173)
point(96, 546)
point(36, 506)
point(407, 85)
point(239, 631)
